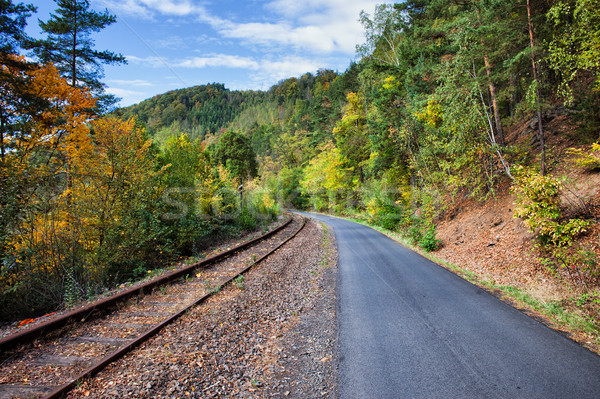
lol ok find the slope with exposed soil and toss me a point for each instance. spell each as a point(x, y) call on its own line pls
point(486, 239)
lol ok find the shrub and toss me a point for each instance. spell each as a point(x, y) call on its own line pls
point(589, 160)
point(538, 204)
point(424, 234)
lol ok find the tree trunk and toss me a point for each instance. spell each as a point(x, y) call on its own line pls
point(73, 54)
point(540, 132)
point(492, 87)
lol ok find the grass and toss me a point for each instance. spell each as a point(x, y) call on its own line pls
point(325, 245)
point(239, 282)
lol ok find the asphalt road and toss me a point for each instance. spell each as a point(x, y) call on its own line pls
point(411, 329)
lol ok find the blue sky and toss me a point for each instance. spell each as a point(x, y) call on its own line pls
point(171, 44)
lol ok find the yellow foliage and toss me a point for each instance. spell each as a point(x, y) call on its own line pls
point(432, 115)
point(325, 171)
point(589, 159)
point(390, 83)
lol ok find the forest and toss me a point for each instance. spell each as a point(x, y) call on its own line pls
point(431, 112)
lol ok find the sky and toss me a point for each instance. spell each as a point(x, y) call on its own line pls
point(246, 45)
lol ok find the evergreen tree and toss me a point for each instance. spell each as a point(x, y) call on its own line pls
point(71, 49)
point(13, 18)
point(235, 153)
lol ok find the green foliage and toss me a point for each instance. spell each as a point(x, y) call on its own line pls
point(575, 45)
point(428, 240)
point(386, 201)
point(13, 19)
point(196, 111)
point(385, 214)
point(239, 282)
point(538, 204)
point(234, 152)
point(326, 181)
point(247, 219)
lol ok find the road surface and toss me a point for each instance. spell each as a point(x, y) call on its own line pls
point(411, 329)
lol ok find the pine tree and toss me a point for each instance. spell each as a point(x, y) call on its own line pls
point(12, 24)
point(15, 101)
point(71, 49)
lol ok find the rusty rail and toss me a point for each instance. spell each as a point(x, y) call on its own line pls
point(119, 353)
point(96, 308)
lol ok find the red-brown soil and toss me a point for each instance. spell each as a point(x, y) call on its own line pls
point(485, 238)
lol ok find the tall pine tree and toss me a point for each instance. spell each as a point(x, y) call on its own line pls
point(70, 48)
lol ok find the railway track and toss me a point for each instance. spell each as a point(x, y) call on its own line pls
point(50, 359)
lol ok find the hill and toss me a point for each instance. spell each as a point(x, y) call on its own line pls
point(196, 111)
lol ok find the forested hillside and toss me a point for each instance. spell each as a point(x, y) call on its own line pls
point(87, 200)
point(448, 101)
point(195, 111)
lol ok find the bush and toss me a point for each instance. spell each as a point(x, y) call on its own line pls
point(429, 241)
point(247, 219)
point(538, 204)
point(424, 235)
point(589, 160)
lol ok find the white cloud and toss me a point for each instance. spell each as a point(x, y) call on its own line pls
point(119, 92)
point(150, 8)
point(322, 26)
point(173, 7)
point(153, 61)
point(279, 68)
point(219, 60)
point(288, 67)
point(135, 82)
point(281, 34)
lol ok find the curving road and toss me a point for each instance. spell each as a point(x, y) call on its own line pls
point(411, 329)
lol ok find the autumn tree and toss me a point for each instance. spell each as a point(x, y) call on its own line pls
point(326, 180)
point(352, 136)
point(38, 241)
point(117, 202)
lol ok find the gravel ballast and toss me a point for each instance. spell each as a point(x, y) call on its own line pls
point(271, 335)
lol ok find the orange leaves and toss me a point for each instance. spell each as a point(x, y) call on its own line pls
point(48, 84)
point(63, 118)
point(64, 122)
